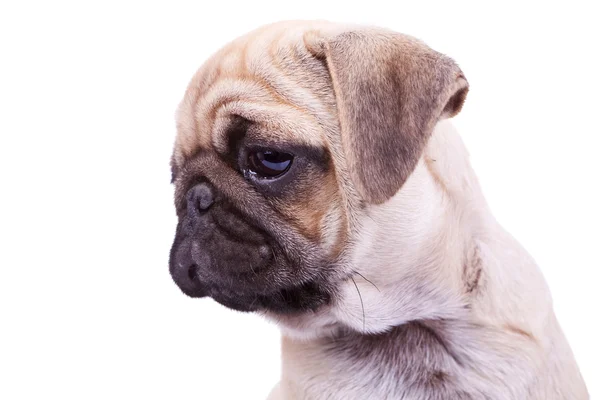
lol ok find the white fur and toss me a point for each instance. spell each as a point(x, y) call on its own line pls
point(413, 249)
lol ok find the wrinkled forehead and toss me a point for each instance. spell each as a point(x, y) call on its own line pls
point(268, 78)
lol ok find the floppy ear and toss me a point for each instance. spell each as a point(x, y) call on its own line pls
point(391, 90)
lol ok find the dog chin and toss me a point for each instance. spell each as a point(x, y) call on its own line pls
point(306, 325)
point(295, 300)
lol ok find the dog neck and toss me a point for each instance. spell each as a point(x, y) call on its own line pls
point(465, 320)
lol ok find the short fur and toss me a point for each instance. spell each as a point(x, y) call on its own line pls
point(376, 253)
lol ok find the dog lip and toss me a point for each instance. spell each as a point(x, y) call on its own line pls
point(302, 297)
point(244, 304)
point(287, 300)
point(193, 291)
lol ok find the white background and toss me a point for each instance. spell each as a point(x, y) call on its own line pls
point(87, 99)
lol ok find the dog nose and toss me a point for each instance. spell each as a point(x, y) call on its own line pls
point(200, 198)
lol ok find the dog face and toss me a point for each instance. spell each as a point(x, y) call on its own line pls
point(289, 140)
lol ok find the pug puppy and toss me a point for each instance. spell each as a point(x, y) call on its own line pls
point(319, 183)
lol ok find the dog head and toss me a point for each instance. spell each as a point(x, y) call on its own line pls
point(289, 139)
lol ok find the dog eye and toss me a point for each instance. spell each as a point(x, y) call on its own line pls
point(268, 163)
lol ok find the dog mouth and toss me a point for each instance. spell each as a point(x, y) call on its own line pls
point(217, 253)
point(305, 296)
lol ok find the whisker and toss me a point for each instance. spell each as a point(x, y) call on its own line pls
point(253, 301)
point(362, 276)
point(253, 271)
point(361, 301)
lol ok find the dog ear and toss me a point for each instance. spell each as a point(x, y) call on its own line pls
point(391, 90)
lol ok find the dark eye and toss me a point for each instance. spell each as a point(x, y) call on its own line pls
point(268, 163)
